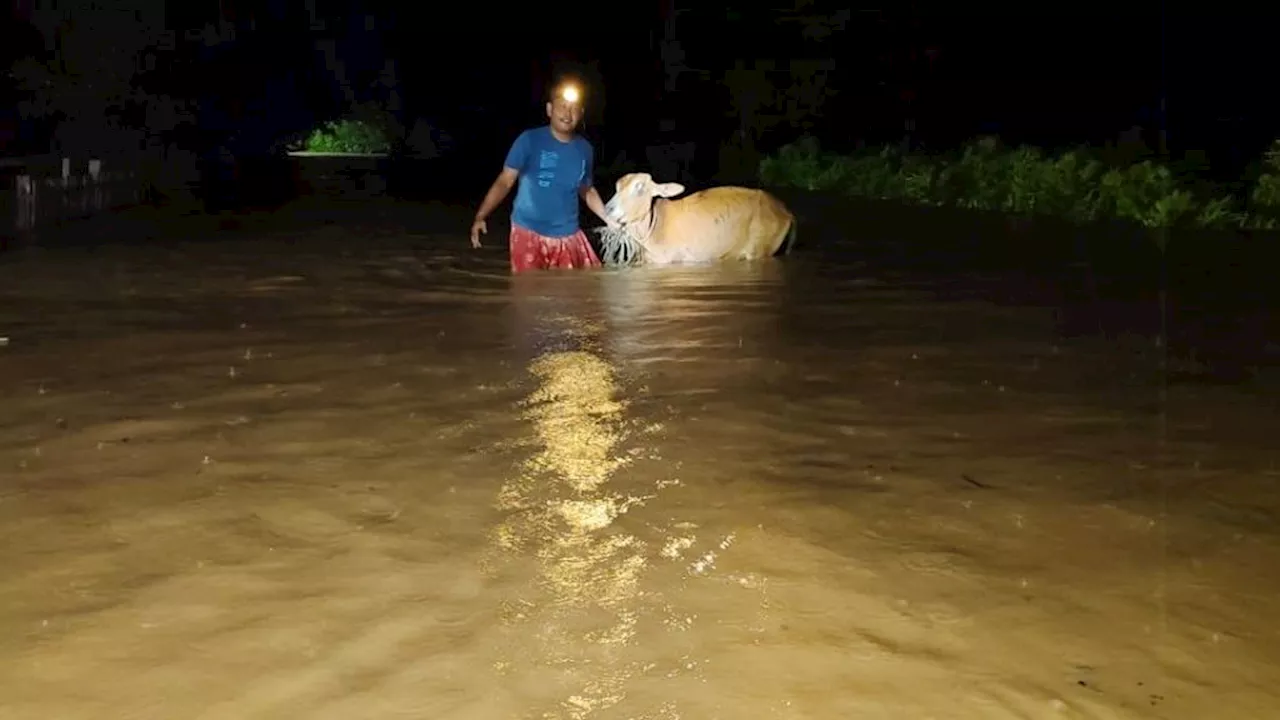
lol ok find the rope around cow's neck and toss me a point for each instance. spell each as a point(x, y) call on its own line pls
point(619, 248)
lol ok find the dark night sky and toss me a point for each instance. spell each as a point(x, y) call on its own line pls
point(1042, 75)
point(1061, 77)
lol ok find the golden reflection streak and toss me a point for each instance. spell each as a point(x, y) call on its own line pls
point(588, 572)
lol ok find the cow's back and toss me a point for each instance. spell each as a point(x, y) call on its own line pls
point(720, 223)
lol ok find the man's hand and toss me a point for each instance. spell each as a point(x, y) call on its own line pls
point(596, 205)
point(497, 193)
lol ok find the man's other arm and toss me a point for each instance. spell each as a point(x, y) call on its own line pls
point(501, 187)
point(498, 192)
point(517, 156)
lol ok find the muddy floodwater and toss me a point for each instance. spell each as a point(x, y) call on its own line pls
point(358, 472)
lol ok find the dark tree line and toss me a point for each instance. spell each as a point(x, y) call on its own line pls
point(847, 71)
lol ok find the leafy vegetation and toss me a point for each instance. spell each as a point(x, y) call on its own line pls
point(96, 87)
point(1078, 185)
point(365, 131)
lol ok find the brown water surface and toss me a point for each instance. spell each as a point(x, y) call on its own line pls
point(358, 472)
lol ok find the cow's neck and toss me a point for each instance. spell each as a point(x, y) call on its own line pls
point(655, 218)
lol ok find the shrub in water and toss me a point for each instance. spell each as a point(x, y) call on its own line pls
point(984, 175)
point(1264, 200)
point(347, 136)
point(366, 131)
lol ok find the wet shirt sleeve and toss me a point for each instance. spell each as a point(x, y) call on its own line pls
point(518, 155)
point(588, 165)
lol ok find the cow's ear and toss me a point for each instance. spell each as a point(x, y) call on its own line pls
point(667, 190)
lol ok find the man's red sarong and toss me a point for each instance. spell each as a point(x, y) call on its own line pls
point(531, 251)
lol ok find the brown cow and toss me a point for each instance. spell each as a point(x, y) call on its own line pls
point(720, 223)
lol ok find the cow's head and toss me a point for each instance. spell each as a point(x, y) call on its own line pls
point(633, 196)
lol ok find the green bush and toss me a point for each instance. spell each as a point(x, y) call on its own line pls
point(366, 131)
point(1264, 197)
point(1077, 185)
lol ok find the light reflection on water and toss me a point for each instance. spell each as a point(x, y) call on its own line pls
point(740, 344)
point(588, 572)
point(561, 510)
point(560, 505)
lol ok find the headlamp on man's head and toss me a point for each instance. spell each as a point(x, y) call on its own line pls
point(569, 93)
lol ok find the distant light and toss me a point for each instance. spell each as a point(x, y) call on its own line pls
point(570, 93)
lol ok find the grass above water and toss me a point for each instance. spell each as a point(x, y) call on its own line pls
point(1079, 185)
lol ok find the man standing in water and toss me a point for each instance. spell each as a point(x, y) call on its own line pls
point(554, 167)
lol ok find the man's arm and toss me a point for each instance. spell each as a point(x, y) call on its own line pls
point(593, 201)
point(516, 158)
point(498, 192)
point(588, 188)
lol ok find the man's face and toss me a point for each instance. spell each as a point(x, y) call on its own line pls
point(564, 115)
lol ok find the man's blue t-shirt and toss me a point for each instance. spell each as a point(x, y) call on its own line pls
point(551, 173)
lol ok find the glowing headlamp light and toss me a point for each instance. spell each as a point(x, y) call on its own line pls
point(570, 93)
